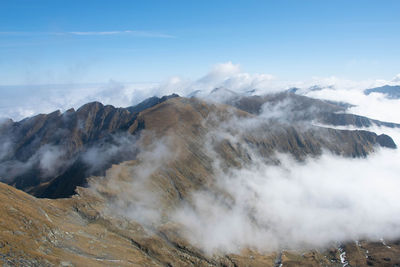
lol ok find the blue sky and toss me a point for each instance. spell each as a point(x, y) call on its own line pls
point(48, 42)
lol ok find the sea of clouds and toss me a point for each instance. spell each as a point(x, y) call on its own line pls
point(315, 203)
point(18, 102)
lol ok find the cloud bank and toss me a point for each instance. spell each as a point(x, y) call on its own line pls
point(314, 204)
point(317, 203)
point(18, 102)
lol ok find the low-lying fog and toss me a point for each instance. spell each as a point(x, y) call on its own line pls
point(315, 203)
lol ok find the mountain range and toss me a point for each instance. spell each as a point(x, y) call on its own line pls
point(95, 186)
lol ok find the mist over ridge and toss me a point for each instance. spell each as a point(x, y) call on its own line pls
point(222, 170)
point(226, 75)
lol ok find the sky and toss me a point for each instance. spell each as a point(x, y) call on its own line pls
point(95, 41)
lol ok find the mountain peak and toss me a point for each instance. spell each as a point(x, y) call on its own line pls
point(90, 106)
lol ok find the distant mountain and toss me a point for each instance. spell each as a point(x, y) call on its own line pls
point(391, 92)
point(222, 93)
point(297, 90)
point(301, 108)
point(293, 90)
point(219, 94)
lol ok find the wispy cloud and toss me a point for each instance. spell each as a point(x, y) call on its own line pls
point(127, 32)
point(145, 34)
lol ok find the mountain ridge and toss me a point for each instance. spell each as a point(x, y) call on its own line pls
point(149, 163)
point(74, 134)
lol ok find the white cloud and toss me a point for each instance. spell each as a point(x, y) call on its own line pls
point(396, 79)
point(37, 99)
point(126, 32)
point(224, 75)
point(313, 203)
point(135, 33)
point(20, 102)
point(295, 205)
point(97, 33)
point(298, 205)
point(374, 105)
point(32, 100)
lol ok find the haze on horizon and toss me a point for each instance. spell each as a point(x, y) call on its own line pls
point(58, 55)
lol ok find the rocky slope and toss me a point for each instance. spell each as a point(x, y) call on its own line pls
point(173, 152)
point(73, 232)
